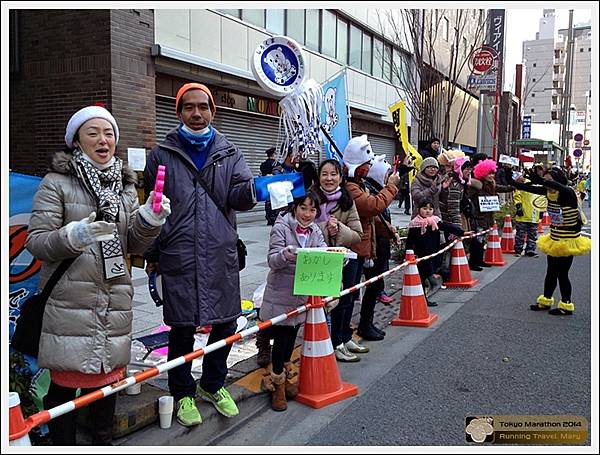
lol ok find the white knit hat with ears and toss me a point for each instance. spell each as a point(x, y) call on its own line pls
point(357, 152)
point(379, 169)
point(82, 116)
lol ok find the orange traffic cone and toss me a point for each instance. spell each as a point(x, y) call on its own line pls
point(507, 242)
point(18, 433)
point(413, 305)
point(546, 219)
point(460, 274)
point(319, 382)
point(493, 253)
point(540, 228)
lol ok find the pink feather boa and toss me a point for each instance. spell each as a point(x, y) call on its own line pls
point(484, 168)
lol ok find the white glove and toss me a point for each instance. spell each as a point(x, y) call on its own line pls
point(81, 234)
point(155, 219)
point(289, 252)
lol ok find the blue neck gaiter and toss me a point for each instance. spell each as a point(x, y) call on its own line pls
point(196, 145)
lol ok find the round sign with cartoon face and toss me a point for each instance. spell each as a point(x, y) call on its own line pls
point(278, 65)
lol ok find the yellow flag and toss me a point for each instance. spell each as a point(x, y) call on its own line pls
point(398, 111)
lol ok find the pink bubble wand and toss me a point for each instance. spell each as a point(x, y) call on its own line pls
point(159, 185)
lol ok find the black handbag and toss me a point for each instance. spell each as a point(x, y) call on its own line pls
point(28, 330)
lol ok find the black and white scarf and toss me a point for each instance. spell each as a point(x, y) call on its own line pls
point(107, 186)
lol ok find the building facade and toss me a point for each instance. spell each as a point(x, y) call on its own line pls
point(545, 61)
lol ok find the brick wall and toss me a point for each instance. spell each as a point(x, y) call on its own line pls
point(133, 78)
point(68, 59)
point(63, 65)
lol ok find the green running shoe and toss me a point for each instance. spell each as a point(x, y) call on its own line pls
point(222, 401)
point(187, 412)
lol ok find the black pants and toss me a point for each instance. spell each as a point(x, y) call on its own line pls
point(372, 291)
point(341, 315)
point(284, 339)
point(404, 196)
point(214, 365)
point(270, 214)
point(476, 251)
point(63, 428)
point(558, 271)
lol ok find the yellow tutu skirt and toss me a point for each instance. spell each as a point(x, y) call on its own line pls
point(570, 247)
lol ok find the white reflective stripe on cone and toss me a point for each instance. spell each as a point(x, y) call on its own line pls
point(459, 260)
point(493, 244)
point(413, 290)
point(316, 316)
point(317, 348)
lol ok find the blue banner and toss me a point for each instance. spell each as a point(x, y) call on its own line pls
point(334, 115)
point(24, 268)
point(24, 275)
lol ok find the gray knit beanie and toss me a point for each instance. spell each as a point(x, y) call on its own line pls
point(427, 162)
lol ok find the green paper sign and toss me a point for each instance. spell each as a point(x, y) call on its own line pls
point(318, 273)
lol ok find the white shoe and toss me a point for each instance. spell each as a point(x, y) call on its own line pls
point(356, 348)
point(344, 355)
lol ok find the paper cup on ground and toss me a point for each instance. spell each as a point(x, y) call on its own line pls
point(165, 411)
point(134, 389)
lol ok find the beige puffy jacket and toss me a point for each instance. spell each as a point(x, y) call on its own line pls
point(87, 321)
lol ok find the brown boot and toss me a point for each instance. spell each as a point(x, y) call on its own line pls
point(291, 388)
point(278, 402)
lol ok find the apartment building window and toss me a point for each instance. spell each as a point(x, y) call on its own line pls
point(554, 115)
point(532, 110)
point(254, 16)
point(355, 46)
point(342, 41)
point(445, 29)
point(533, 80)
point(295, 24)
point(377, 57)
point(367, 53)
point(581, 49)
point(231, 12)
point(387, 62)
point(533, 95)
point(276, 21)
point(328, 33)
point(534, 65)
point(312, 29)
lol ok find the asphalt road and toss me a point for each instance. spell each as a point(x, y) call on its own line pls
point(493, 356)
point(487, 355)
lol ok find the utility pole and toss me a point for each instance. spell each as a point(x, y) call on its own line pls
point(566, 99)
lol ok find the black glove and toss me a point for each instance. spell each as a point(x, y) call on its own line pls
point(519, 208)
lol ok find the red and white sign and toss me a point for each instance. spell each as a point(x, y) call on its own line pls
point(482, 60)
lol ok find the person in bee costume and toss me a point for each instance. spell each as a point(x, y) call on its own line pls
point(564, 240)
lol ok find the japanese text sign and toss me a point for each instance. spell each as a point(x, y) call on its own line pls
point(318, 273)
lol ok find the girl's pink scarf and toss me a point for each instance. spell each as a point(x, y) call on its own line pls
point(419, 221)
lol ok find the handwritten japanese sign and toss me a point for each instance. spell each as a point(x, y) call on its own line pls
point(318, 273)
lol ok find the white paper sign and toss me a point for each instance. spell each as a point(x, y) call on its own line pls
point(489, 204)
point(136, 157)
point(512, 160)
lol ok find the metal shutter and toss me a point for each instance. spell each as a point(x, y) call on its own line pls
point(166, 119)
point(381, 144)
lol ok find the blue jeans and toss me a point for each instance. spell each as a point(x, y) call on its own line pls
point(214, 365)
point(341, 315)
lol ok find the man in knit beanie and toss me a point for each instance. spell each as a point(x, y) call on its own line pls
point(199, 253)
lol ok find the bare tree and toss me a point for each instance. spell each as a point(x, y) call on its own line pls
point(431, 83)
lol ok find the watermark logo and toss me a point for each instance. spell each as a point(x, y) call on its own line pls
point(479, 429)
